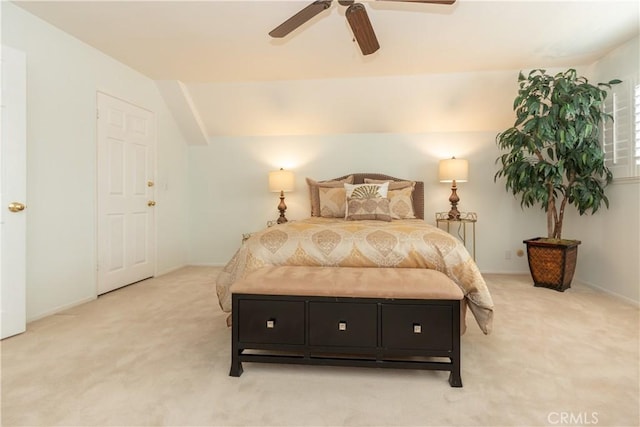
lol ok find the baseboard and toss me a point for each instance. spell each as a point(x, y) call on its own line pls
point(608, 292)
point(60, 309)
point(170, 270)
point(214, 264)
point(575, 280)
point(207, 264)
point(518, 272)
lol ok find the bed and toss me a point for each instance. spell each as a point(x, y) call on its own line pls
point(363, 237)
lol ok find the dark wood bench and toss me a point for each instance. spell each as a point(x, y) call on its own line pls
point(376, 317)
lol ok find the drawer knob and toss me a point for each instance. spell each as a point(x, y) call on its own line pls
point(271, 323)
point(342, 326)
point(417, 328)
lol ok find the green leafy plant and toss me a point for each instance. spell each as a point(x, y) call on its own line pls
point(552, 154)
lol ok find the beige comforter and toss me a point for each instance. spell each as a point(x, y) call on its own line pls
point(340, 243)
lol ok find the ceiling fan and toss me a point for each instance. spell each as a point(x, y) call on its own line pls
point(356, 16)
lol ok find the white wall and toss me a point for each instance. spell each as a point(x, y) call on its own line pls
point(230, 196)
point(209, 196)
point(609, 256)
point(229, 178)
point(63, 76)
point(453, 102)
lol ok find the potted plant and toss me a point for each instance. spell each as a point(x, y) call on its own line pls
point(553, 157)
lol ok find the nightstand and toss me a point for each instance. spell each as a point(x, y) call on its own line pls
point(465, 218)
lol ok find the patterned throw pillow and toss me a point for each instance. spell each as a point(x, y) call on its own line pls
point(401, 203)
point(368, 208)
point(400, 197)
point(333, 202)
point(365, 191)
point(314, 195)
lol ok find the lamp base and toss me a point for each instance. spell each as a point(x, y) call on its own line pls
point(282, 207)
point(454, 213)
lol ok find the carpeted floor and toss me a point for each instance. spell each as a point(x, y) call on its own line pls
point(158, 352)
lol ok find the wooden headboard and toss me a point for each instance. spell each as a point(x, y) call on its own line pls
point(418, 192)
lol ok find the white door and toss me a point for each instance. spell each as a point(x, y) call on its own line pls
point(13, 191)
point(126, 205)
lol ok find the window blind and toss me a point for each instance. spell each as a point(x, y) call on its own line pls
point(621, 137)
point(636, 125)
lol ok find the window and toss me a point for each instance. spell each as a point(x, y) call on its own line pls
point(621, 137)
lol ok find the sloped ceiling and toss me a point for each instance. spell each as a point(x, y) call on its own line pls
point(215, 60)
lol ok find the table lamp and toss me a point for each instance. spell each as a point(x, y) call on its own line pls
point(453, 170)
point(281, 180)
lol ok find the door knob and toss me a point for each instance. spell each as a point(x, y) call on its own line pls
point(16, 207)
point(151, 203)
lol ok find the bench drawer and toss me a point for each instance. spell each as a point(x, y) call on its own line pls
point(426, 327)
point(271, 322)
point(343, 324)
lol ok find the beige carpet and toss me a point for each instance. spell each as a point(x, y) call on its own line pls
point(157, 353)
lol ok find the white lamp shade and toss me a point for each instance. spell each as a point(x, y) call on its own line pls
point(281, 180)
point(453, 169)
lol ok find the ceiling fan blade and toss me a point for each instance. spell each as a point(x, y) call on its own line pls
point(362, 30)
point(426, 1)
point(300, 18)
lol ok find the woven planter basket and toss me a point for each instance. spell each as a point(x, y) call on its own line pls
point(552, 264)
